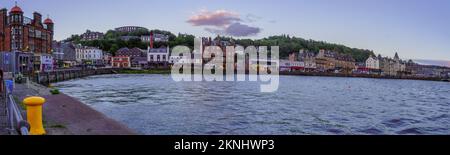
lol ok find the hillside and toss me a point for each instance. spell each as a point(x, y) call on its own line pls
point(287, 44)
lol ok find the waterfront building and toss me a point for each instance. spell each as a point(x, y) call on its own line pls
point(21, 33)
point(308, 59)
point(86, 55)
point(361, 68)
point(418, 70)
point(175, 58)
point(91, 35)
point(64, 54)
point(43, 62)
point(139, 62)
point(330, 61)
point(136, 56)
point(392, 67)
point(293, 57)
point(130, 29)
point(373, 63)
point(17, 62)
point(58, 54)
point(220, 42)
point(325, 61)
point(132, 53)
point(288, 65)
point(263, 65)
point(69, 57)
point(107, 58)
point(158, 55)
point(121, 62)
point(345, 63)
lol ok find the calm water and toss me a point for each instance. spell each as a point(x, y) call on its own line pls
point(155, 104)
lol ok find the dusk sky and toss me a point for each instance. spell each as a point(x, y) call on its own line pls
point(416, 29)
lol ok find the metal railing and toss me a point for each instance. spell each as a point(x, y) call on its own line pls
point(16, 123)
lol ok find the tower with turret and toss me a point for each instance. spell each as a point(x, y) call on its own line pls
point(21, 33)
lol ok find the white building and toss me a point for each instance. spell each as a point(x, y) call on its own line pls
point(91, 54)
point(308, 58)
point(373, 63)
point(158, 55)
point(46, 62)
point(286, 65)
point(156, 38)
point(175, 59)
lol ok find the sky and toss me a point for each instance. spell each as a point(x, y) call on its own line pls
point(416, 29)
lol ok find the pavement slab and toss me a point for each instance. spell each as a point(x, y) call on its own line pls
point(80, 119)
point(64, 115)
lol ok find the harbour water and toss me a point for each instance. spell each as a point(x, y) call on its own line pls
point(156, 105)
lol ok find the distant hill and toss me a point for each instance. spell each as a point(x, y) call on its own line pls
point(445, 63)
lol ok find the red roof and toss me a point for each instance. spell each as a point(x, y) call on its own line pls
point(48, 21)
point(16, 9)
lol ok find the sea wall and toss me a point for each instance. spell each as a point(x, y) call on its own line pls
point(359, 75)
point(63, 75)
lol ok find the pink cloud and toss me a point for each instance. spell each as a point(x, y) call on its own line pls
point(225, 23)
point(217, 18)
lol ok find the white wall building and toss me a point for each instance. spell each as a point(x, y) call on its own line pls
point(175, 59)
point(286, 65)
point(158, 55)
point(84, 53)
point(46, 62)
point(373, 63)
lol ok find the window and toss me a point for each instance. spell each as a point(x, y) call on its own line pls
point(38, 34)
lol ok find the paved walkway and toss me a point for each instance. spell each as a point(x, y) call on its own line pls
point(80, 119)
point(64, 115)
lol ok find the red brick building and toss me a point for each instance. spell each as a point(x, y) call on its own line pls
point(21, 33)
point(121, 62)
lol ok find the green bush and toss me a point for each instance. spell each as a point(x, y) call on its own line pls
point(54, 91)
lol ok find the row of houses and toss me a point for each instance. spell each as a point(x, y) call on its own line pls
point(323, 61)
point(26, 63)
point(139, 58)
point(330, 61)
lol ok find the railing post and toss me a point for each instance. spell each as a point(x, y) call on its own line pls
point(34, 114)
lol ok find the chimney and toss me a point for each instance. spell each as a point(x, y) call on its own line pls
point(37, 17)
point(3, 19)
point(151, 39)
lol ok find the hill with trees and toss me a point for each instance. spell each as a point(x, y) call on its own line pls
point(289, 45)
point(112, 42)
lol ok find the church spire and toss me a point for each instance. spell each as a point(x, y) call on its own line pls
point(396, 57)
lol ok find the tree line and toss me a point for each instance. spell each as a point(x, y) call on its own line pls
point(287, 44)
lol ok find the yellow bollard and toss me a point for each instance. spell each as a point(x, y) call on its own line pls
point(34, 114)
